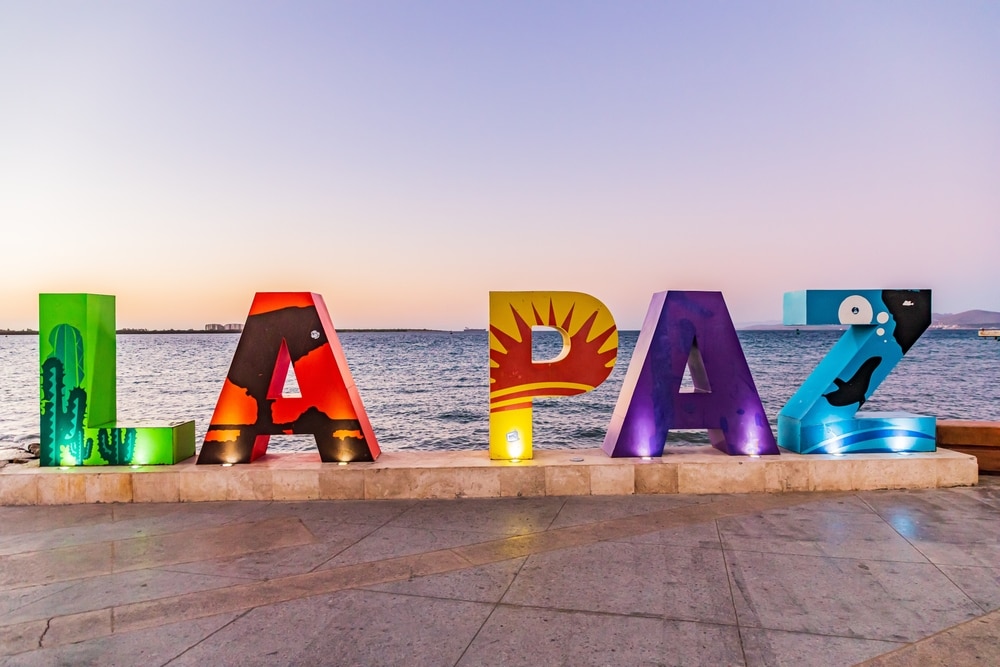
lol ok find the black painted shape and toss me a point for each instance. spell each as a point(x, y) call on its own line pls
point(854, 390)
point(911, 320)
point(257, 352)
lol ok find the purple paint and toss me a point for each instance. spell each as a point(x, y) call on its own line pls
point(688, 329)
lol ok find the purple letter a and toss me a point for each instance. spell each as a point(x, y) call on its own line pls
point(694, 330)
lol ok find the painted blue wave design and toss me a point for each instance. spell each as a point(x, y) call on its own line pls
point(854, 442)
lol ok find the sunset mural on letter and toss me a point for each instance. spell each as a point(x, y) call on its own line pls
point(289, 330)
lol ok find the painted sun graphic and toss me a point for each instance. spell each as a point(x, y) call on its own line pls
point(590, 349)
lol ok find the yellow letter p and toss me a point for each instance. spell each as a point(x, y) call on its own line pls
point(590, 347)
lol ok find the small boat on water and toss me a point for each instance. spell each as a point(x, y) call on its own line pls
point(989, 333)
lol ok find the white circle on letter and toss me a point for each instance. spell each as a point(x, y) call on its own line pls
point(855, 309)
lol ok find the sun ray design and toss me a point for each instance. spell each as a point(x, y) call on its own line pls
point(590, 349)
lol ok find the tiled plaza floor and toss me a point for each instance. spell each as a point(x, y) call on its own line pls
point(891, 577)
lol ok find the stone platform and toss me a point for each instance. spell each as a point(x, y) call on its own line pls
point(471, 474)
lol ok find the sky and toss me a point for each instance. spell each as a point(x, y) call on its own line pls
point(404, 159)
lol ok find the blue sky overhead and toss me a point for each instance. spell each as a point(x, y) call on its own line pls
point(403, 159)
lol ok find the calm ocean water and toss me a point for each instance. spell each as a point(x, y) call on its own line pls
point(429, 390)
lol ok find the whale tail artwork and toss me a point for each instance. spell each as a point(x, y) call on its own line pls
point(822, 416)
point(288, 329)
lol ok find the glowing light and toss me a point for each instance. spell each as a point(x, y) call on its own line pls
point(134, 467)
point(342, 463)
point(227, 465)
point(514, 446)
point(515, 460)
point(647, 458)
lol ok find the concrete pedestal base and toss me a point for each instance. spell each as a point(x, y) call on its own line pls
point(471, 474)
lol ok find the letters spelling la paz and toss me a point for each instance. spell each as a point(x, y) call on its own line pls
point(683, 330)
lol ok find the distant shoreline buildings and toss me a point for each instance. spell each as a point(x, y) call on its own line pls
point(224, 327)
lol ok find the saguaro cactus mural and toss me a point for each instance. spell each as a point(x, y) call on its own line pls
point(116, 445)
point(63, 416)
point(78, 401)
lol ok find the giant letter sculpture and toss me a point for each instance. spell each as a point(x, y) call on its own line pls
point(688, 330)
point(590, 347)
point(288, 328)
point(820, 418)
point(76, 336)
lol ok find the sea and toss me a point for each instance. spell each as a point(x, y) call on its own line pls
point(429, 390)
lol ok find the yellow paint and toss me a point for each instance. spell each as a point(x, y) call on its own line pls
point(510, 434)
point(590, 348)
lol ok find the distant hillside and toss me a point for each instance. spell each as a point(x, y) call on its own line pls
point(970, 319)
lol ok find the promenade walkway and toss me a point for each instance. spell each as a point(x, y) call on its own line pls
point(890, 577)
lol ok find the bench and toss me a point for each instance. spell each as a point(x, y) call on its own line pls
point(978, 438)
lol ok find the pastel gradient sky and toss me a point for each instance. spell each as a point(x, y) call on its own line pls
point(403, 159)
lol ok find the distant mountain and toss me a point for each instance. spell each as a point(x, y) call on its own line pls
point(970, 319)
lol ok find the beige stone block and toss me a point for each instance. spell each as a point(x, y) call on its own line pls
point(340, 483)
point(156, 487)
point(295, 484)
point(869, 474)
point(62, 487)
point(109, 487)
point(613, 479)
point(881, 473)
point(730, 475)
point(911, 472)
point(434, 483)
point(249, 482)
point(202, 484)
point(567, 480)
point(827, 473)
point(521, 481)
point(782, 476)
point(478, 482)
point(959, 470)
point(383, 483)
point(656, 477)
point(18, 489)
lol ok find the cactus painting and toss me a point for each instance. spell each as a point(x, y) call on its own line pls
point(116, 445)
point(63, 412)
point(77, 391)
